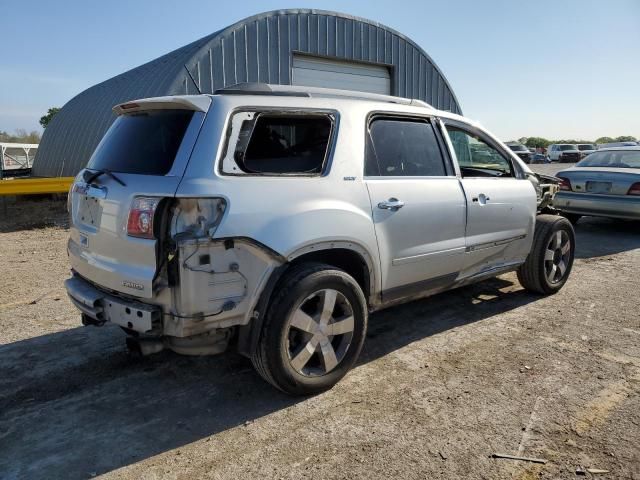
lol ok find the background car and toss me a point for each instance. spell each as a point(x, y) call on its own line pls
point(520, 150)
point(605, 184)
point(538, 158)
point(563, 153)
point(586, 149)
point(617, 144)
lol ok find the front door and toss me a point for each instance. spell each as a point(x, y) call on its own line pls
point(418, 207)
point(501, 202)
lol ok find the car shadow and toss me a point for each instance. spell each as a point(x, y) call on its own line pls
point(74, 404)
point(30, 212)
point(598, 237)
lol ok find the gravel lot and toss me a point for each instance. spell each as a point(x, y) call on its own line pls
point(442, 383)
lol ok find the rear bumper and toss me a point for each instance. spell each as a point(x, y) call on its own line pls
point(103, 307)
point(598, 205)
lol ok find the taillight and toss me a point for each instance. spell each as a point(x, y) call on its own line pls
point(634, 189)
point(141, 213)
point(565, 184)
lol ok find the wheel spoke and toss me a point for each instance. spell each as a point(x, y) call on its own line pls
point(548, 255)
point(329, 359)
point(557, 240)
point(552, 273)
point(303, 322)
point(328, 304)
point(562, 267)
point(302, 357)
point(566, 247)
point(341, 326)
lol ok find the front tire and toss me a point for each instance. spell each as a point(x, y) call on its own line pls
point(314, 330)
point(549, 263)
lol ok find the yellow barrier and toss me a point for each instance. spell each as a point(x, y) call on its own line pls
point(35, 186)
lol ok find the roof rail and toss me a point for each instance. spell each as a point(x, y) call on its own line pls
point(309, 92)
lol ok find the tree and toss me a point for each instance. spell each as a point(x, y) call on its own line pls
point(45, 119)
point(626, 138)
point(605, 140)
point(537, 142)
point(21, 136)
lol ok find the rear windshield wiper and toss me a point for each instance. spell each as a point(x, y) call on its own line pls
point(90, 178)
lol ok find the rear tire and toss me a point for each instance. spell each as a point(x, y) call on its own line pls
point(313, 331)
point(549, 263)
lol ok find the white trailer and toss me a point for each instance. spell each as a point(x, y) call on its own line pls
point(16, 159)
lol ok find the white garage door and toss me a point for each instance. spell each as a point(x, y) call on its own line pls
point(321, 72)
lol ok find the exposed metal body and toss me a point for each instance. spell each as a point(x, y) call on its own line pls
point(261, 48)
point(414, 236)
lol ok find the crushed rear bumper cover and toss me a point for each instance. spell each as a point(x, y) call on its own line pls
point(103, 307)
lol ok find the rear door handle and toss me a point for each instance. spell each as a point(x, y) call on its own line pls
point(392, 204)
point(482, 199)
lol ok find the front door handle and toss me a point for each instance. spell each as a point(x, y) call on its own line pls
point(392, 204)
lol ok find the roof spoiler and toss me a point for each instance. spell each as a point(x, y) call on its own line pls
point(198, 103)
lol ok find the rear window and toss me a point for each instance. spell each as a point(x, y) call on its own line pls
point(613, 159)
point(403, 148)
point(278, 143)
point(142, 142)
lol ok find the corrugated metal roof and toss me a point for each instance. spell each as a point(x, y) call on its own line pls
point(257, 49)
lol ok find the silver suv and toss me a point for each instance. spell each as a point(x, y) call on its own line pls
point(274, 219)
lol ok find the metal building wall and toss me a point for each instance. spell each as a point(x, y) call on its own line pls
point(257, 49)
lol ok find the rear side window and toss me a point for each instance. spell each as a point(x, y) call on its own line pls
point(142, 142)
point(278, 144)
point(399, 147)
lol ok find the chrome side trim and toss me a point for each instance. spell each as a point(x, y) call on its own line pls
point(425, 256)
point(495, 243)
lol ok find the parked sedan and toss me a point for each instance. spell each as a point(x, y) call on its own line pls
point(604, 184)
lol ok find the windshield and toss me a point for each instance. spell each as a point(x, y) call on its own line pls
point(586, 147)
point(614, 159)
point(144, 142)
point(518, 148)
point(567, 147)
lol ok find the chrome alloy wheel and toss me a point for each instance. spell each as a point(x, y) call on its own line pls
point(557, 256)
point(319, 333)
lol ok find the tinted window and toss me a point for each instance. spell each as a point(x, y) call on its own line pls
point(586, 147)
point(476, 157)
point(283, 144)
point(145, 142)
point(567, 147)
point(518, 148)
point(403, 148)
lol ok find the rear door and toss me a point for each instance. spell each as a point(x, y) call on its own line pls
point(501, 201)
point(144, 154)
point(417, 204)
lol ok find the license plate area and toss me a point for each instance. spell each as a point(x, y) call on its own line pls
point(89, 205)
point(132, 315)
point(599, 187)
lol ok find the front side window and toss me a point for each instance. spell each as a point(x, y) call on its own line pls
point(476, 157)
point(264, 143)
point(403, 148)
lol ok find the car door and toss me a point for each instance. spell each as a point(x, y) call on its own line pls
point(418, 206)
point(501, 201)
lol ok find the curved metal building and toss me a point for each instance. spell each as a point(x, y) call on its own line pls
point(290, 47)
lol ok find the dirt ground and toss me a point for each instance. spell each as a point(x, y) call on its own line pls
point(441, 385)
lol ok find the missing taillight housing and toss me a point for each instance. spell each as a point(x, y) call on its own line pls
point(141, 215)
point(634, 189)
point(565, 184)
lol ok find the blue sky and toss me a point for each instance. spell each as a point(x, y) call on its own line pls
point(553, 68)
